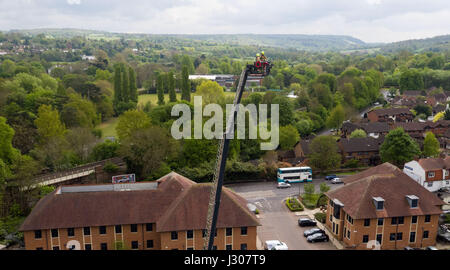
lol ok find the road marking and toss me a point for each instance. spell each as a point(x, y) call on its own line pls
point(257, 194)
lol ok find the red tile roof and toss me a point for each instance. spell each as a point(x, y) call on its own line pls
point(392, 111)
point(177, 202)
point(391, 184)
point(430, 164)
point(368, 144)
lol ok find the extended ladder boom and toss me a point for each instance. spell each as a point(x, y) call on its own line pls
point(221, 160)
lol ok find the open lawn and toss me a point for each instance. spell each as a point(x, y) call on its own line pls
point(108, 128)
point(153, 98)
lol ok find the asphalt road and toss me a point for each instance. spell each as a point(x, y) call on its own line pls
point(278, 223)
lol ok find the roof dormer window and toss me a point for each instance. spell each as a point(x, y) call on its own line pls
point(379, 203)
point(413, 201)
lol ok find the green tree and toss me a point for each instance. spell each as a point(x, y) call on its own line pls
point(325, 154)
point(358, 133)
point(411, 79)
point(211, 92)
point(117, 84)
point(133, 87)
point(286, 109)
point(105, 150)
point(423, 109)
point(130, 122)
point(125, 84)
point(289, 136)
point(324, 188)
point(79, 112)
point(398, 148)
point(348, 91)
point(49, 125)
point(143, 152)
point(185, 84)
point(328, 79)
point(336, 118)
point(7, 151)
point(309, 189)
point(172, 94)
point(160, 89)
point(430, 145)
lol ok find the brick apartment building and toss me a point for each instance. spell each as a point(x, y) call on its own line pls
point(385, 205)
point(164, 215)
point(431, 173)
point(390, 115)
point(365, 150)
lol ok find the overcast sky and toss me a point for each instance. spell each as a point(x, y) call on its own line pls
point(368, 20)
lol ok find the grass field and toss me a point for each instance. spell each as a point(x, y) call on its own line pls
point(153, 98)
point(108, 128)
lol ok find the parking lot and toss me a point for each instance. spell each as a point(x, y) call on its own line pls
point(278, 223)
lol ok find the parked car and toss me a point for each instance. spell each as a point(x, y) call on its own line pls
point(306, 222)
point(275, 245)
point(312, 231)
point(283, 185)
point(337, 181)
point(431, 248)
point(318, 237)
point(330, 177)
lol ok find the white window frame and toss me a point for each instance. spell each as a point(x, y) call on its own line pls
point(431, 174)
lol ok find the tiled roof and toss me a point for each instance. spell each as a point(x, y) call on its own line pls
point(175, 194)
point(305, 146)
point(368, 144)
point(447, 133)
point(391, 184)
point(371, 127)
point(286, 154)
point(440, 96)
point(429, 164)
point(410, 126)
point(189, 211)
point(392, 111)
point(412, 93)
point(375, 127)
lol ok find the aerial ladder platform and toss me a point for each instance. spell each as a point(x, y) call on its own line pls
point(261, 69)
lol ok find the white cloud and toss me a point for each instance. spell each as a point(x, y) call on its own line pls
point(374, 2)
point(370, 20)
point(74, 2)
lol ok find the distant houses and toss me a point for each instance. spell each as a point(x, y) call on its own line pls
point(88, 58)
point(391, 115)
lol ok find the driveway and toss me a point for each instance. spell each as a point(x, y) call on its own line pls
point(278, 223)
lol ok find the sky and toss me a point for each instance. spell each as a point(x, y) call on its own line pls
point(368, 20)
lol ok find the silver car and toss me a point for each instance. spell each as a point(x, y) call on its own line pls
point(337, 181)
